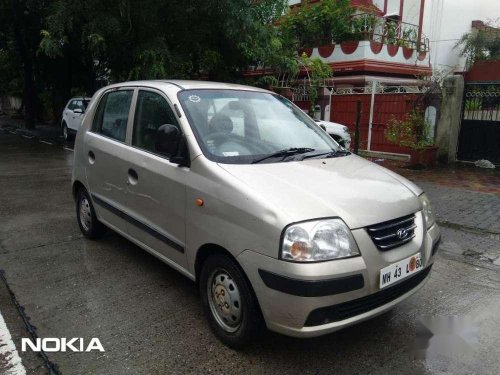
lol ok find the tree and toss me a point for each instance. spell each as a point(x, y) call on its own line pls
point(20, 25)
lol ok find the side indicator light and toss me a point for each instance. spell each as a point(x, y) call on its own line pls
point(199, 202)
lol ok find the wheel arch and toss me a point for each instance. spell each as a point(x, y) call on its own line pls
point(204, 252)
point(209, 249)
point(77, 185)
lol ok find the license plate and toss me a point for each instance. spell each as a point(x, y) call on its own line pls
point(400, 270)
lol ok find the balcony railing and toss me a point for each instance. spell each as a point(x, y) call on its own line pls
point(372, 27)
point(367, 26)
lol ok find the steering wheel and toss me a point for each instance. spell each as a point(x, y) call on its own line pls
point(219, 139)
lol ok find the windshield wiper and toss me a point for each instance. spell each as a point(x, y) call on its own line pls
point(284, 153)
point(329, 154)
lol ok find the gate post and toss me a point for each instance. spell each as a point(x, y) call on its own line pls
point(449, 120)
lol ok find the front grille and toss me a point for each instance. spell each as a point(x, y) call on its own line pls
point(393, 233)
point(361, 305)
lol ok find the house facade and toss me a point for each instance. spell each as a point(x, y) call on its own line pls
point(394, 48)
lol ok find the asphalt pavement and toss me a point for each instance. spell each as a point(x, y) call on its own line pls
point(148, 317)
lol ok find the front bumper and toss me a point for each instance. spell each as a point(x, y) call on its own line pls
point(308, 300)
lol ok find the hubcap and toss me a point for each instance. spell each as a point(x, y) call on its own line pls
point(224, 300)
point(85, 214)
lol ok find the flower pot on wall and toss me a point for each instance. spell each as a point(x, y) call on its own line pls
point(407, 52)
point(326, 50)
point(422, 55)
point(349, 47)
point(392, 49)
point(376, 47)
point(424, 157)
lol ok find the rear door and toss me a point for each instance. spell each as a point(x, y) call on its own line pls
point(106, 153)
point(156, 190)
point(76, 118)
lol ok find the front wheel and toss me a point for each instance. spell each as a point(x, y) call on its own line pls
point(228, 302)
point(65, 132)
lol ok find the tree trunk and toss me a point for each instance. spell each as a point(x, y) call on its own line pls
point(21, 38)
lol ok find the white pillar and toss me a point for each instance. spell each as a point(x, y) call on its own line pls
point(372, 105)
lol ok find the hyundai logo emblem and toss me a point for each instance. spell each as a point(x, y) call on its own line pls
point(402, 233)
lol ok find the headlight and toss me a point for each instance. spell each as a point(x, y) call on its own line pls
point(320, 240)
point(430, 219)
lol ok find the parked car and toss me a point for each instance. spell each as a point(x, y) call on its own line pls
point(337, 131)
point(240, 191)
point(72, 116)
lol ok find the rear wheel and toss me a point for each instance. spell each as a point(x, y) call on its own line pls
point(228, 302)
point(87, 219)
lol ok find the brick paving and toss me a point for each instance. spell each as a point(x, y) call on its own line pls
point(464, 176)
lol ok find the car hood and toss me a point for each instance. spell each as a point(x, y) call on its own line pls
point(350, 187)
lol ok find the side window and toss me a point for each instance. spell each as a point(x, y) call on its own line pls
point(112, 114)
point(71, 105)
point(151, 112)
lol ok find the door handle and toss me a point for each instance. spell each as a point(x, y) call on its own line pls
point(91, 157)
point(133, 177)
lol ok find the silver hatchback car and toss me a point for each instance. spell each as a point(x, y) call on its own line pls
point(239, 190)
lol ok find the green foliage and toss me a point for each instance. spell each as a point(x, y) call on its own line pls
point(267, 81)
point(314, 24)
point(481, 44)
point(391, 32)
point(318, 71)
point(413, 131)
point(78, 46)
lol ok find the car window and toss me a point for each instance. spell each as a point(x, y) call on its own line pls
point(71, 105)
point(151, 112)
point(239, 126)
point(112, 114)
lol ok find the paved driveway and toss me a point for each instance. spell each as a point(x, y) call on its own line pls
point(148, 318)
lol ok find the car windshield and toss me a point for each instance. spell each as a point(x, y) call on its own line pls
point(85, 103)
point(243, 127)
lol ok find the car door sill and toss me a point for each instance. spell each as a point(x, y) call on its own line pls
point(139, 224)
point(153, 252)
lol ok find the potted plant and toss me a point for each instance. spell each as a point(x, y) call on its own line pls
point(391, 38)
point(408, 42)
point(413, 132)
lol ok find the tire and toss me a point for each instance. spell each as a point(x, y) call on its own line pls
point(228, 302)
point(86, 217)
point(65, 132)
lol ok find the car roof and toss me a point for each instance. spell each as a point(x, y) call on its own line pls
point(80, 98)
point(189, 85)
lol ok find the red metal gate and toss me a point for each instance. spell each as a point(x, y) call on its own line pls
point(386, 107)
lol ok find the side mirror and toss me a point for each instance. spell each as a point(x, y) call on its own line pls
point(170, 142)
point(78, 110)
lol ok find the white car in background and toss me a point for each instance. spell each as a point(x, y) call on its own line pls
point(339, 132)
point(72, 116)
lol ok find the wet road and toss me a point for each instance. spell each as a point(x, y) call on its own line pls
point(148, 318)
